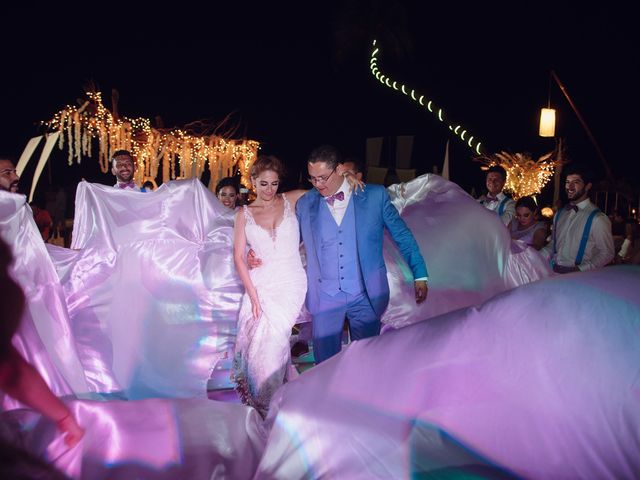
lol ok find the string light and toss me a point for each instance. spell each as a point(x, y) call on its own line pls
point(525, 176)
point(385, 80)
point(152, 148)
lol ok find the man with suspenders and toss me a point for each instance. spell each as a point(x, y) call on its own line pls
point(495, 200)
point(581, 238)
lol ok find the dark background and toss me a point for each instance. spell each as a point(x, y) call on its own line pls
point(294, 76)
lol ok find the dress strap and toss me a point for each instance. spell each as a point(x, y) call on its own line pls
point(248, 216)
point(287, 206)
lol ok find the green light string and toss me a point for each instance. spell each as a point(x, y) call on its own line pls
point(457, 129)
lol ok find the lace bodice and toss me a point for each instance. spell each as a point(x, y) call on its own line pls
point(277, 244)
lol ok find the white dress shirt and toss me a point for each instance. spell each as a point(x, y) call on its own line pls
point(339, 208)
point(569, 228)
point(509, 207)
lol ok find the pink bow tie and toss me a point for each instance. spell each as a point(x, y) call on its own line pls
point(125, 185)
point(571, 206)
point(336, 196)
point(491, 199)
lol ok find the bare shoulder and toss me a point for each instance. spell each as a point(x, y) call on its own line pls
point(239, 217)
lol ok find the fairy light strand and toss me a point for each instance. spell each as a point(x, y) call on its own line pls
point(417, 97)
point(152, 148)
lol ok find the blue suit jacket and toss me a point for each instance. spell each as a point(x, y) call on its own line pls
point(373, 211)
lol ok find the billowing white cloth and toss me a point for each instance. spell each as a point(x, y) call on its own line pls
point(150, 299)
point(161, 439)
point(541, 381)
point(469, 252)
point(153, 294)
point(44, 337)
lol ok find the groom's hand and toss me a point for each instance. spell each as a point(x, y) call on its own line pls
point(252, 260)
point(421, 291)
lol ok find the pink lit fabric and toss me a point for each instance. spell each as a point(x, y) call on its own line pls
point(540, 381)
point(152, 291)
point(44, 338)
point(468, 251)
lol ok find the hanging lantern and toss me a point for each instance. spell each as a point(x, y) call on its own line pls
point(547, 122)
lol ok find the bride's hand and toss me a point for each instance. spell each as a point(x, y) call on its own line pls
point(354, 183)
point(255, 306)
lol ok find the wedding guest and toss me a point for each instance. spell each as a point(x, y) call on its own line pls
point(148, 186)
point(356, 166)
point(624, 233)
point(227, 192)
point(123, 167)
point(43, 220)
point(8, 177)
point(525, 226)
point(581, 237)
point(495, 199)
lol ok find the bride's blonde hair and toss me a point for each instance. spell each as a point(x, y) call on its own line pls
point(267, 162)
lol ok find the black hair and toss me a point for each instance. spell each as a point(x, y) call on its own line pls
point(498, 169)
point(326, 153)
point(579, 169)
point(528, 202)
point(227, 182)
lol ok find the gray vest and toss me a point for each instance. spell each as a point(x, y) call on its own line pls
point(339, 264)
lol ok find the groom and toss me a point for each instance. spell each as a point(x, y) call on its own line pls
point(343, 234)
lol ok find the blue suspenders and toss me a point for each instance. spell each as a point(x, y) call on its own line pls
point(502, 206)
point(583, 240)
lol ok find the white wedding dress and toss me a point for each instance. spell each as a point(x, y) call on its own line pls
point(262, 351)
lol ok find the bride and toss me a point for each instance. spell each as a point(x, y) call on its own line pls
point(275, 292)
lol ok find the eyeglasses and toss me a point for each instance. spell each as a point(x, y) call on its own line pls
point(321, 180)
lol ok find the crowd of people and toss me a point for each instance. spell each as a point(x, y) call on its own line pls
point(341, 222)
point(580, 236)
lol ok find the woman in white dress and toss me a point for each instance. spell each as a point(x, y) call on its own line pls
point(275, 291)
point(525, 226)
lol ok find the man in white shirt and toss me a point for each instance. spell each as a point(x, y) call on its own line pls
point(495, 200)
point(123, 167)
point(581, 238)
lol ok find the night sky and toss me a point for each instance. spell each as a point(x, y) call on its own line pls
point(296, 77)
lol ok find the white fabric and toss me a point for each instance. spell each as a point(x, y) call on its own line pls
point(44, 337)
point(339, 207)
point(152, 439)
point(624, 249)
point(569, 228)
point(528, 233)
point(540, 382)
point(262, 352)
point(152, 290)
point(469, 253)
